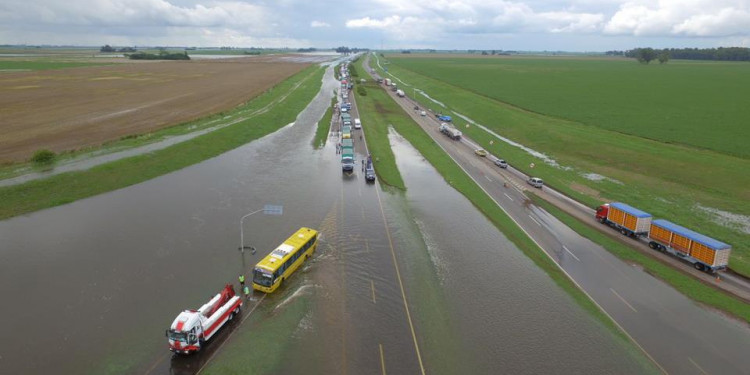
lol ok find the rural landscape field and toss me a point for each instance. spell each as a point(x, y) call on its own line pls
point(616, 130)
point(83, 106)
point(423, 187)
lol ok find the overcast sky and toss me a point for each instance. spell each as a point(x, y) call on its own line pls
point(572, 25)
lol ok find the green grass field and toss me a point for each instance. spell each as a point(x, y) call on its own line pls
point(698, 104)
point(41, 64)
point(669, 181)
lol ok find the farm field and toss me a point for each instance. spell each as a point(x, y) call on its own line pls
point(594, 165)
point(7, 66)
point(68, 109)
point(699, 104)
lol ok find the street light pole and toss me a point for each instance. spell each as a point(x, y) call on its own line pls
point(267, 210)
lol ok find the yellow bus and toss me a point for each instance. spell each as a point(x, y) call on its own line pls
point(284, 260)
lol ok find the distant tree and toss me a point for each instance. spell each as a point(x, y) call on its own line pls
point(484, 53)
point(107, 48)
point(406, 51)
point(645, 55)
point(663, 57)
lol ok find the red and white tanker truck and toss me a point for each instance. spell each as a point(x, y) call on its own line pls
point(192, 328)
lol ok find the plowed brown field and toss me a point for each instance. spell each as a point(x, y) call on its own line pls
point(69, 109)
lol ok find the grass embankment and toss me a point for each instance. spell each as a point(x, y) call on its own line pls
point(668, 181)
point(687, 285)
point(42, 64)
point(455, 176)
point(376, 116)
point(69, 187)
point(324, 126)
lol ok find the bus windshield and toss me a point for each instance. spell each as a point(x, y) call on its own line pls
point(262, 277)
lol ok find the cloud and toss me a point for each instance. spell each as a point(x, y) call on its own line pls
point(428, 20)
point(319, 24)
point(704, 18)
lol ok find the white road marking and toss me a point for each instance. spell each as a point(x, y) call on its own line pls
point(696, 365)
point(569, 252)
point(623, 300)
point(537, 223)
point(488, 179)
point(506, 194)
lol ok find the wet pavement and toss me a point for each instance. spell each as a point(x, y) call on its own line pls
point(396, 284)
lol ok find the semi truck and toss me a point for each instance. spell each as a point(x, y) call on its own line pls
point(630, 221)
point(193, 328)
point(703, 252)
point(450, 131)
point(346, 119)
point(400, 93)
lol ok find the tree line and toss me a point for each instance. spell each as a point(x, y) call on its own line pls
point(719, 54)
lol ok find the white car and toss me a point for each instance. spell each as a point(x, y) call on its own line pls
point(536, 182)
point(423, 113)
point(357, 124)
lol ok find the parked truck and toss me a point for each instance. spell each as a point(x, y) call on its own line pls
point(193, 328)
point(630, 221)
point(450, 131)
point(703, 252)
point(400, 93)
point(387, 81)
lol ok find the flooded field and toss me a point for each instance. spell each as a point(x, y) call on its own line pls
point(409, 283)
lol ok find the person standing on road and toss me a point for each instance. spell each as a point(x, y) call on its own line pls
point(242, 281)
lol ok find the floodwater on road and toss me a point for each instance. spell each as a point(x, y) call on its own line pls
point(91, 286)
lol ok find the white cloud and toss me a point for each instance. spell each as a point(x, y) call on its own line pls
point(370, 23)
point(319, 24)
point(705, 18)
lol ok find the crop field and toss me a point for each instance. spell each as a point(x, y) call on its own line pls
point(700, 104)
point(7, 66)
point(68, 109)
point(681, 183)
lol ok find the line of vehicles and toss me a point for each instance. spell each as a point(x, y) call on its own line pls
point(703, 252)
point(348, 161)
point(192, 329)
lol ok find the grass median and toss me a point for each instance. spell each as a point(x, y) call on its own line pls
point(324, 126)
point(68, 187)
point(686, 285)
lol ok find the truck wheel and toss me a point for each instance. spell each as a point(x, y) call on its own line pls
point(699, 266)
point(653, 245)
point(624, 232)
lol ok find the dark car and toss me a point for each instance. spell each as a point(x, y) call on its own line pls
point(370, 174)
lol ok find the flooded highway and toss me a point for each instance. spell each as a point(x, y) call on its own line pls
point(404, 283)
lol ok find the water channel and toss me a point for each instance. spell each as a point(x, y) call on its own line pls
point(91, 286)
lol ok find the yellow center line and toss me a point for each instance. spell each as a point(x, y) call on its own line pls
point(372, 287)
point(400, 283)
point(382, 358)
